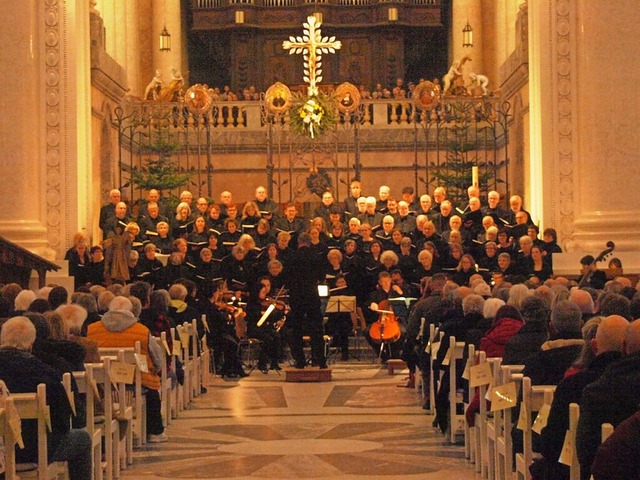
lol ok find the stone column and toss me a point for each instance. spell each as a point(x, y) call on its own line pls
point(471, 11)
point(584, 116)
point(136, 84)
point(43, 122)
point(167, 13)
point(21, 129)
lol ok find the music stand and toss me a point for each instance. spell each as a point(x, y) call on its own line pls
point(401, 306)
point(341, 304)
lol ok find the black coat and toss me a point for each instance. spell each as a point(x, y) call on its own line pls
point(569, 391)
point(22, 373)
point(303, 272)
point(612, 398)
point(549, 364)
point(525, 343)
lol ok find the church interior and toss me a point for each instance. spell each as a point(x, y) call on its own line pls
point(563, 137)
point(522, 97)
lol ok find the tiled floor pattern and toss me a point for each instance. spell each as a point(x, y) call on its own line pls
point(360, 425)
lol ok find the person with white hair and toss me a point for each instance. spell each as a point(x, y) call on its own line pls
point(22, 301)
point(119, 327)
point(22, 373)
point(371, 216)
point(491, 306)
point(74, 317)
point(517, 293)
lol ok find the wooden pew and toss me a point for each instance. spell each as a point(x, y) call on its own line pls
point(457, 421)
point(492, 425)
point(504, 445)
point(100, 375)
point(85, 387)
point(33, 406)
point(533, 398)
point(166, 382)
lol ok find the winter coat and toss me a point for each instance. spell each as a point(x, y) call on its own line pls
point(525, 343)
point(120, 328)
point(494, 341)
point(612, 398)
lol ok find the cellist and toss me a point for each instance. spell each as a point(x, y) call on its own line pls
point(383, 292)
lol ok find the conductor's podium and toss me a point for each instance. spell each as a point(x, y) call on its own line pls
point(309, 374)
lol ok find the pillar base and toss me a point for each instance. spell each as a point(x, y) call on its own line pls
point(28, 234)
point(593, 231)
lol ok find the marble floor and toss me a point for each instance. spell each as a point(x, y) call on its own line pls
point(360, 425)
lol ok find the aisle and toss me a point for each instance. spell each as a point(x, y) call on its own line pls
point(358, 426)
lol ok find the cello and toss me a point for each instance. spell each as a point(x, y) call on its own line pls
point(386, 329)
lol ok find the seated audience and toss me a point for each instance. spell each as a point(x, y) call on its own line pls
point(22, 373)
point(119, 327)
point(612, 398)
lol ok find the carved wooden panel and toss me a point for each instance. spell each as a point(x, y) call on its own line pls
point(355, 61)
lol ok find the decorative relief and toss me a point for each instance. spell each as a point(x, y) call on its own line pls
point(53, 129)
point(565, 120)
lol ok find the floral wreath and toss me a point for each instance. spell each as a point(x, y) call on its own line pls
point(312, 115)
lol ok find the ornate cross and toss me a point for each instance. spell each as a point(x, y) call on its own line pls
point(312, 45)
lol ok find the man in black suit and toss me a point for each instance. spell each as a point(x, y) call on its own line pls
point(109, 210)
point(303, 274)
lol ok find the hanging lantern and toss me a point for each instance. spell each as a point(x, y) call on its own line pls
point(165, 40)
point(467, 35)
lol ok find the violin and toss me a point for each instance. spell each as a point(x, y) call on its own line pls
point(279, 305)
point(269, 304)
point(386, 329)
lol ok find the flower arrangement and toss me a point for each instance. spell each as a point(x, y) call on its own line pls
point(312, 116)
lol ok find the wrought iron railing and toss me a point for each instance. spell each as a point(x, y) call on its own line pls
point(474, 129)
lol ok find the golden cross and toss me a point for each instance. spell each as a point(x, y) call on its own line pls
point(312, 45)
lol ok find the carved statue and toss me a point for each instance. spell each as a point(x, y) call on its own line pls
point(155, 85)
point(172, 92)
point(454, 77)
point(478, 80)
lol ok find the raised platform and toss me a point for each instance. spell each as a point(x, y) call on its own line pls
point(310, 374)
point(394, 364)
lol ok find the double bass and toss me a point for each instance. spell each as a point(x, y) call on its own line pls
point(386, 329)
point(601, 256)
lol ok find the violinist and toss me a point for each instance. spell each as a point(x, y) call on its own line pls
point(385, 291)
point(221, 318)
point(256, 307)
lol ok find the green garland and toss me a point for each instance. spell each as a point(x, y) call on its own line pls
point(312, 116)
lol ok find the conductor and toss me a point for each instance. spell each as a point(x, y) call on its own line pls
point(303, 273)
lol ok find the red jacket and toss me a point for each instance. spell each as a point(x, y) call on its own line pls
point(496, 338)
